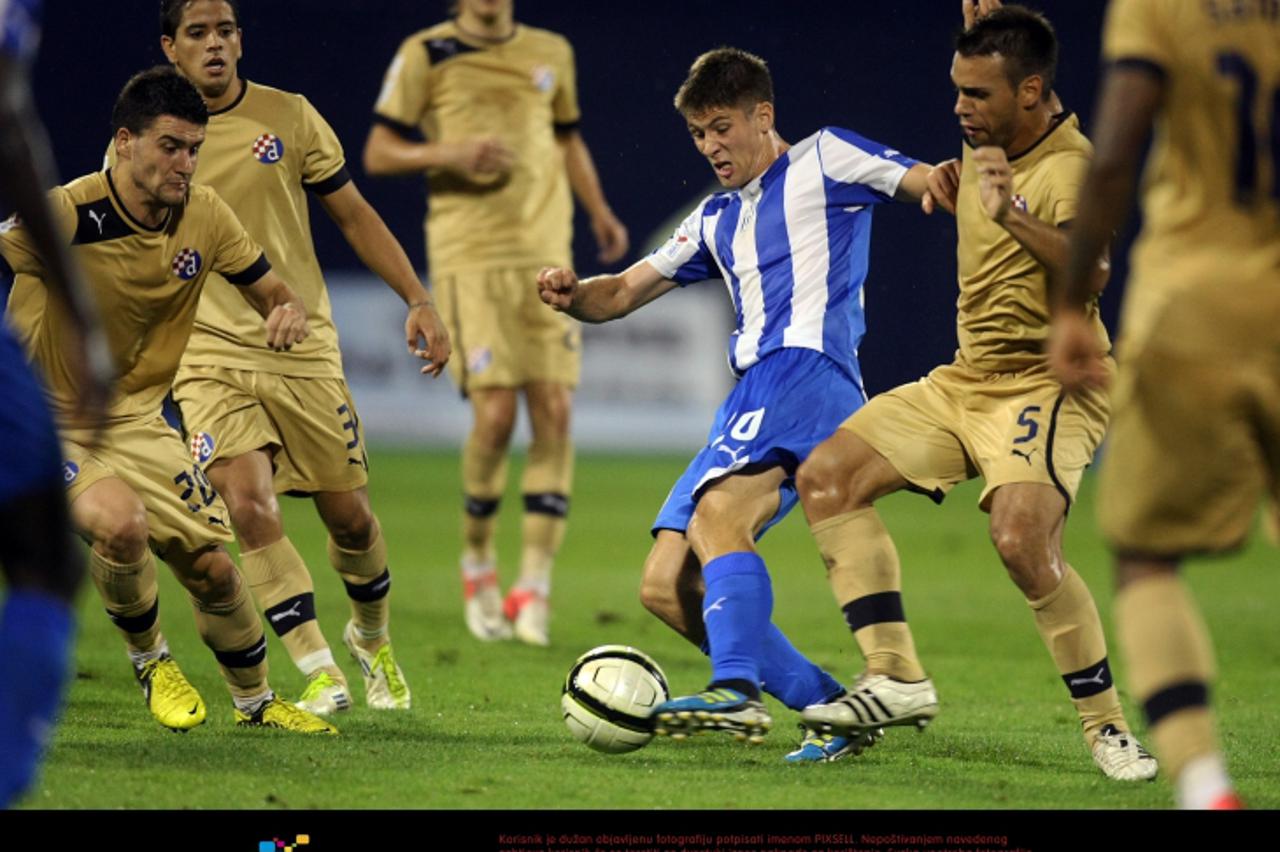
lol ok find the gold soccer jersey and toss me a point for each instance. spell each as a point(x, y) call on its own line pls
point(1002, 316)
point(146, 284)
point(262, 154)
point(1207, 266)
point(452, 88)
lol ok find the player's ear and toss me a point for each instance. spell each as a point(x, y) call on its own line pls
point(124, 144)
point(763, 116)
point(1030, 91)
point(166, 45)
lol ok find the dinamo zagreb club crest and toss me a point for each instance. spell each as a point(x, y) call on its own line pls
point(202, 447)
point(186, 264)
point(268, 149)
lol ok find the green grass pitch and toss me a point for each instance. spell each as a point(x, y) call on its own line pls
point(485, 728)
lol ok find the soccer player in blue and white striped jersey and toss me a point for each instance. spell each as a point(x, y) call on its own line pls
point(789, 237)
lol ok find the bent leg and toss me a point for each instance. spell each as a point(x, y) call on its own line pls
point(484, 478)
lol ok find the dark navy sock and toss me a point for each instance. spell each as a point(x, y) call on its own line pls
point(736, 609)
point(36, 632)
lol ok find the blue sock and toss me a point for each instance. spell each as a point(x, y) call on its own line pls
point(788, 675)
point(736, 609)
point(36, 632)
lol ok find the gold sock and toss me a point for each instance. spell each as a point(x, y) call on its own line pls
point(131, 597)
point(1170, 662)
point(1072, 631)
point(863, 569)
point(368, 582)
point(282, 586)
point(232, 631)
point(484, 478)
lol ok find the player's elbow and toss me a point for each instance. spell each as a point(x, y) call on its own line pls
point(375, 160)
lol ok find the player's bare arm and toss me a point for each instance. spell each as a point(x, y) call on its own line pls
point(943, 185)
point(1126, 109)
point(387, 154)
point(25, 163)
point(603, 297)
point(914, 184)
point(283, 310)
point(974, 10)
point(611, 235)
point(1042, 240)
point(377, 247)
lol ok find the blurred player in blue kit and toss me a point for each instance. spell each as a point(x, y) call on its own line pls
point(789, 236)
point(40, 561)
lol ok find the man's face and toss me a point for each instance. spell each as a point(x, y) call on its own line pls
point(734, 140)
point(986, 103)
point(162, 158)
point(486, 10)
point(206, 46)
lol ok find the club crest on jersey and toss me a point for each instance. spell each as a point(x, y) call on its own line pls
point(186, 264)
point(1020, 202)
point(268, 149)
point(70, 470)
point(543, 77)
point(202, 447)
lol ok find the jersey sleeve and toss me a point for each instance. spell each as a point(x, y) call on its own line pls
point(406, 89)
point(19, 254)
point(564, 105)
point(865, 172)
point(324, 166)
point(236, 257)
point(685, 258)
point(1135, 34)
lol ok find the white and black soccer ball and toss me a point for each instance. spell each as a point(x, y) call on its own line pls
point(608, 696)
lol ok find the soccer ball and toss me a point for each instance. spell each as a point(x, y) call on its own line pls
point(608, 696)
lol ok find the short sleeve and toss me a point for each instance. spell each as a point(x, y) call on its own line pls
point(406, 88)
point(685, 258)
point(19, 254)
point(1135, 33)
point(324, 166)
point(867, 172)
point(564, 105)
point(236, 256)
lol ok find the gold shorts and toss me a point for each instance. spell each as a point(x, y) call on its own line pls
point(150, 457)
point(503, 335)
point(310, 424)
point(958, 423)
point(1194, 446)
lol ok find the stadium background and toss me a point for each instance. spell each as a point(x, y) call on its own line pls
point(878, 68)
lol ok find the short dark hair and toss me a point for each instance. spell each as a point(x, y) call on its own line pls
point(171, 14)
point(155, 92)
point(1023, 38)
point(724, 77)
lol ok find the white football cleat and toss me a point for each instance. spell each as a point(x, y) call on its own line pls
point(483, 606)
point(875, 701)
point(528, 612)
point(384, 684)
point(324, 695)
point(1121, 757)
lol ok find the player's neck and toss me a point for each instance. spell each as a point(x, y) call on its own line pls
point(227, 98)
point(776, 147)
point(1039, 123)
point(141, 208)
point(498, 28)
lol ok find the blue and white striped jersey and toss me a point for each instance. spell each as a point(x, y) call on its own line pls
point(791, 247)
point(19, 29)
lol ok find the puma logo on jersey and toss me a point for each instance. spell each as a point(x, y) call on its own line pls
point(1027, 455)
point(98, 219)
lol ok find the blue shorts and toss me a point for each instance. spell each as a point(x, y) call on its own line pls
point(781, 409)
point(30, 454)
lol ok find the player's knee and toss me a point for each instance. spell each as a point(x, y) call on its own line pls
point(718, 527)
point(211, 577)
point(123, 535)
point(355, 530)
point(1024, 552)
point(255, 516)
point(825, 482)
point(493, 425)
point(551, 416)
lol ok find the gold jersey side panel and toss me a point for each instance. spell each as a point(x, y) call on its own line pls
point(146, 285)
point(452, 88)
point(1206, 268)
point(262, 154)
point(1002, 318)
